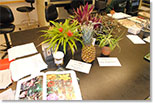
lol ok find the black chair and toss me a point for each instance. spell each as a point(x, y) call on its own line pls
point(6, 18)
point(27, 9)
point(100, 5)
point(52, 14)
point(73, 5)
point(132, 7)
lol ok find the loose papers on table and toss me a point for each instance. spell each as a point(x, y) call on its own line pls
point(119, 15)
point(21, 50)
point(79, 66)
point(5, 78)
point(147, 39)
point(9, 94)
point(135, 39)
point(26, 66)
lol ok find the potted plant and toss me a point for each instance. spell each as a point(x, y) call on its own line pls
point(64, 35)
point(108, 42)
point(83, 15)
point(88, 24)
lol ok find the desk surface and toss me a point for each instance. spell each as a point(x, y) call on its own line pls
point(131, 81)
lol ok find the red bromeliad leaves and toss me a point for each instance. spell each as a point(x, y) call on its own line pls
point(69, 33)
point(60, 29)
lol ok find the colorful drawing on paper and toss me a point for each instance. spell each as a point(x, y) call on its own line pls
point(59, 87)
point(32, 89)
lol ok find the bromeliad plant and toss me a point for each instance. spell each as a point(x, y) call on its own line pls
point(63, 35)
point(83, 15)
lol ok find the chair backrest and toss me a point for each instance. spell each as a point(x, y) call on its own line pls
point(30, 1)
point(132, 7)
point(51, 12)
point(100, 4)
point(6, 15)
point(89, 1)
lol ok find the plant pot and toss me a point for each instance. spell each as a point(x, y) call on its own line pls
point(106, 51)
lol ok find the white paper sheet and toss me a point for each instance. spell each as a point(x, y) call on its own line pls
point(7, 95)
point(119, 15)
point(26, 66)
point(147, 39)
point(21, 50)
point(108, 61)
point(5, 78)
point(134, 30)
point(93, 42)
point(79, 66)
point(135, 39)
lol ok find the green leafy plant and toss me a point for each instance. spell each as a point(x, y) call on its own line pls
point(109, 39)
point(62, 35)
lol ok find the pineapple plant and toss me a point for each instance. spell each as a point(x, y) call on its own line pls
point(88, 25)
point(88, 51)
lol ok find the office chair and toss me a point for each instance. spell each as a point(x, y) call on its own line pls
point(132, 7)
point(6, 18)
point(73, 5)
point(52, 14)
point(100, 5)
point(27, 10)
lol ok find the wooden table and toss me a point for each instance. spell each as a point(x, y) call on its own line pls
point(131, 81)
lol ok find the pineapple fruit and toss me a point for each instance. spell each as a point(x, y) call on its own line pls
point(88, 53)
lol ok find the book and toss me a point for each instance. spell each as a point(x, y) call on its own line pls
point(54, 85)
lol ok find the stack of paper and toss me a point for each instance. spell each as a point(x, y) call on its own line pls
point(26, 66)
point(128, 23)
point(119, 15)
point(137, 20)
point(145, 14)
point(21, 50)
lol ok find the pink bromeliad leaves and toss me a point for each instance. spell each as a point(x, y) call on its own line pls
point(83, 13)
